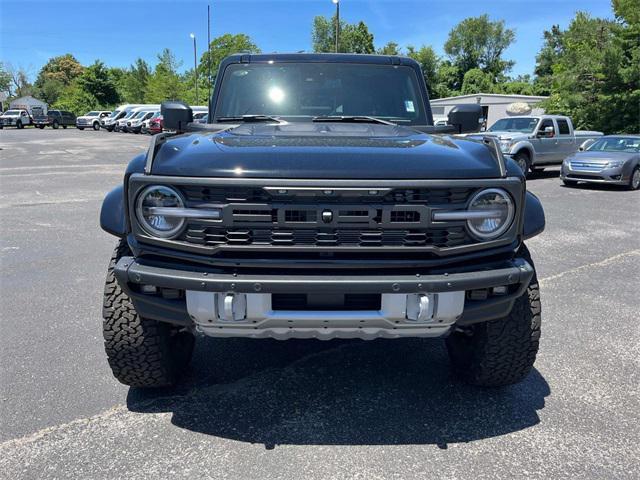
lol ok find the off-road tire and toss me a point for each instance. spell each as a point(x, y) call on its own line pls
point(55, 124)
point(141, 352)
point(634, 184)
point(570, 183)
point(523, 161)
point(502, 351)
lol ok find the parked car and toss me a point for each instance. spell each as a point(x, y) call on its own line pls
point(109, 123)
point(91, 119)
point(536, 142)
point(55, 119)
point(338, 213)
point(121, 125)
point(145, 125)
point(156, 125)
point(18, 118)
point(135, 124)
point(200, 117)
point(610, 159)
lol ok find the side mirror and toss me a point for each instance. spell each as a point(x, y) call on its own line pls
point(176, 115)
point(466, 118)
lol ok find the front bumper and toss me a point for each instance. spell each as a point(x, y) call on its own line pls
point(198, 299)
point(612, 175)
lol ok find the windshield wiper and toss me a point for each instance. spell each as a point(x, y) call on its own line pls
point(249, 118)
point(351, 119)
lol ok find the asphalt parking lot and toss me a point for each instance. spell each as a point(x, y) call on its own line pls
point(303, 409)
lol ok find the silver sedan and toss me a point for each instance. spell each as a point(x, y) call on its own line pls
point(611, 159)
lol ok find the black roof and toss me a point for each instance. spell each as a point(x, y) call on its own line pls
point(321, 58)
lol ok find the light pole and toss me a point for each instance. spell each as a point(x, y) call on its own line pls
point(195, 64)
point(337, 3)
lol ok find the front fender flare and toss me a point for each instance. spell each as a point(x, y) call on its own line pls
point(113, 217)
point(524, 145)
point(534, 220)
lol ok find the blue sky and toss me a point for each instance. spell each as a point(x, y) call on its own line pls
point(119, 31)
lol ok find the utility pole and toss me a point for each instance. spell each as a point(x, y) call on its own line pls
point(195, 64)
point(337, 4)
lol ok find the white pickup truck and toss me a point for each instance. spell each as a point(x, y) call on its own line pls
point(536, 142)
point(15, 117)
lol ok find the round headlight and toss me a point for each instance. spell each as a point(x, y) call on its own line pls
point(494, 213)
point(149, 210)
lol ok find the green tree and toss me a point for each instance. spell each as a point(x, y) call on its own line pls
point(477, 81)
point(354, 38)
point(165, 83)
point(95, 81)
point(55, 76)
point(18, 81)
point(430, 64)
point(74, 98)
point(5, 78)
point(593, 77)
point(478, 42)
point(134, 82)
point(547, 57)
point(222, 47)
point(391, 48)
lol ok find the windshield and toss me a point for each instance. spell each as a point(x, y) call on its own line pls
point(114, 114)
point(616, 144)
point(140, 115)
point(522, 125)
point(301, 91)
point(92, 114)
point(12, 112)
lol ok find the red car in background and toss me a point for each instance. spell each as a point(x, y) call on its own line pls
point(156, 125)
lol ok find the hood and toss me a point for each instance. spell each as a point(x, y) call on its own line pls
point(508, 135)
point(601, 157)
point(10, 115)
point(324, 150)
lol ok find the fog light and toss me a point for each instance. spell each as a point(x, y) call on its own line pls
point(501, 290)
point(478, 294)
point(149, 289)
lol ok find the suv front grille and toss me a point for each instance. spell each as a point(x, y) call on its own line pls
point(209, 236)
point(333, 219)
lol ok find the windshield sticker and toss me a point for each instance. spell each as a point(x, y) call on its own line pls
point(408, 105)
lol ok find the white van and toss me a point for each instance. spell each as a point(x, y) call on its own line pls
point(121, 123)
point(109, 123)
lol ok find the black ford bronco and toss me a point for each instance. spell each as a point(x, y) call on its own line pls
point(319, 201)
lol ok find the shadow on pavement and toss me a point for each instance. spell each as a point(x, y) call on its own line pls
point(382, 392)
point(551, 172)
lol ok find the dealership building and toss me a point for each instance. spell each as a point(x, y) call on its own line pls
point(494, 105)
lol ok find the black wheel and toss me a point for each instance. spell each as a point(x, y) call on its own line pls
point(19, 124)
point(523, 161)
point(80, 128)
point(502, 351)
point(96, 126)
point(109, 129)
point(41, 127)
point(569, 183)
point(55, 124)
point(141, 352)
point(64, 126)
point(634, 181)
